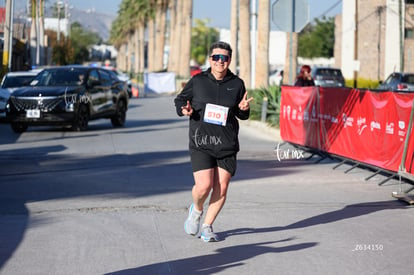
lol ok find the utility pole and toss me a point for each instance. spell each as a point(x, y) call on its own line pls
point(254, 43)
point(8, 37)
point(356, 64)
point(58, 26)
point(400, 13)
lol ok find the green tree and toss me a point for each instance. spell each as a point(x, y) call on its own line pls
point(81, 41)
point(201, 39)
point(62, 52)
point(318, 39)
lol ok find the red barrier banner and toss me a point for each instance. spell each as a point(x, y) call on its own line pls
point(366, 126)
point(298, 114)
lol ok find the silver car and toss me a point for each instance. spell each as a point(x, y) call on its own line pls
point(328, 77)
point(398, 82)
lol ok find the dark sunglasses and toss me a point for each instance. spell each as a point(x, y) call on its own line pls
point(217, 57)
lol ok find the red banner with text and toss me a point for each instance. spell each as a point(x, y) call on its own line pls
point(361, 125)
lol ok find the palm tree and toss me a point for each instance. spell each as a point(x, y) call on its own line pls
point(233, 32)
point(151, 35)
point(291, 58)
point(161, 25)
point(121, 32)
point(140, 11)
point(185, 44)
point(245, 56)
point(262, 54)
point(174, 32)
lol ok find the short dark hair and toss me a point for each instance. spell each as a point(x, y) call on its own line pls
point(221, 45)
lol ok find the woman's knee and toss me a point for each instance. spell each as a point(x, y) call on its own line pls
point(202, 189)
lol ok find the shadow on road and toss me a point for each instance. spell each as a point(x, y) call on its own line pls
point(223, 259)
point(348, 212)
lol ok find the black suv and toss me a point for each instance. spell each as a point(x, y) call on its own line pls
point(69, 96)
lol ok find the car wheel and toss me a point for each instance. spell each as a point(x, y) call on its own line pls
point(81, 119)
point(18, 127)
point(118, 120)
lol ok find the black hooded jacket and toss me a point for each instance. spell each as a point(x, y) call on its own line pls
point(216, 140)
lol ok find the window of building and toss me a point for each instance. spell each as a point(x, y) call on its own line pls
point(409, 33)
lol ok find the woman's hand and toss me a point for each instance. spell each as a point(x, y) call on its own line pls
point(187, 110)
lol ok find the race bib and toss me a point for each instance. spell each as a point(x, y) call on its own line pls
point(216, 114)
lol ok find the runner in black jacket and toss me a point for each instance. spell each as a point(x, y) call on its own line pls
point(213, 100)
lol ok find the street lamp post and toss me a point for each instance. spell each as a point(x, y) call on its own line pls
point(59, 3)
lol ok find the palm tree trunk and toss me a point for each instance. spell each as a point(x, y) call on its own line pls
point(121, 58)
point(151, 44)
point(234, 35)
point(262, 55)
point(173, 54)
point(185, 55)
point(245, 44)
point(130, 50)
point(161, 23)
point(136, 51)
point(291, 61)
point(141, 35)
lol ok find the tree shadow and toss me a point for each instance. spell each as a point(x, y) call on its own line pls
point(223, 259)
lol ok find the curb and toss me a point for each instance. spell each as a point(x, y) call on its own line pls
point(262, 128)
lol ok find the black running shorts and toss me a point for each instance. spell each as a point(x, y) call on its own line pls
point(201, 161)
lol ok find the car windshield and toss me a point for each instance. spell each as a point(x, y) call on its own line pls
point(394, 78)
point(17, 81)
point(60, 77)
point(408, 78)
point(329, 72)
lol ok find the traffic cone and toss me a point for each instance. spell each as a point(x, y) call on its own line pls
point(135, 92)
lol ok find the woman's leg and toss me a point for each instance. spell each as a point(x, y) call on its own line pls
point(204, 181)
point(221, 179)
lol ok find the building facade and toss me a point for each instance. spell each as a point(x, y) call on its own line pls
point(375, 38)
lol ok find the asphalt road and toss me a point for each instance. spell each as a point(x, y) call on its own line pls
point(113, 201)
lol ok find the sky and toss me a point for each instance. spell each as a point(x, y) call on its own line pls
point(217, 11)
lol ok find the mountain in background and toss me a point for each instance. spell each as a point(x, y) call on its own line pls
point(93, 21)
point(89, 19)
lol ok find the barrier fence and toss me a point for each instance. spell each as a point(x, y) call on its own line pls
point(365, 126)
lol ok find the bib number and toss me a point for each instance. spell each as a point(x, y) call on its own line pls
point(216, 114)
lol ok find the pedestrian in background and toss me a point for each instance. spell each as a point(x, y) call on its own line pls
point(213, 100)
point(304, 78)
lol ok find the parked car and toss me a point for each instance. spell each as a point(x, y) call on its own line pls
point(10, 82)
point(328, 77)
point(398, 81)
point(123, 77)
point(195, 70)
point(68, 95)
point(276, 77)
point(14, 80)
